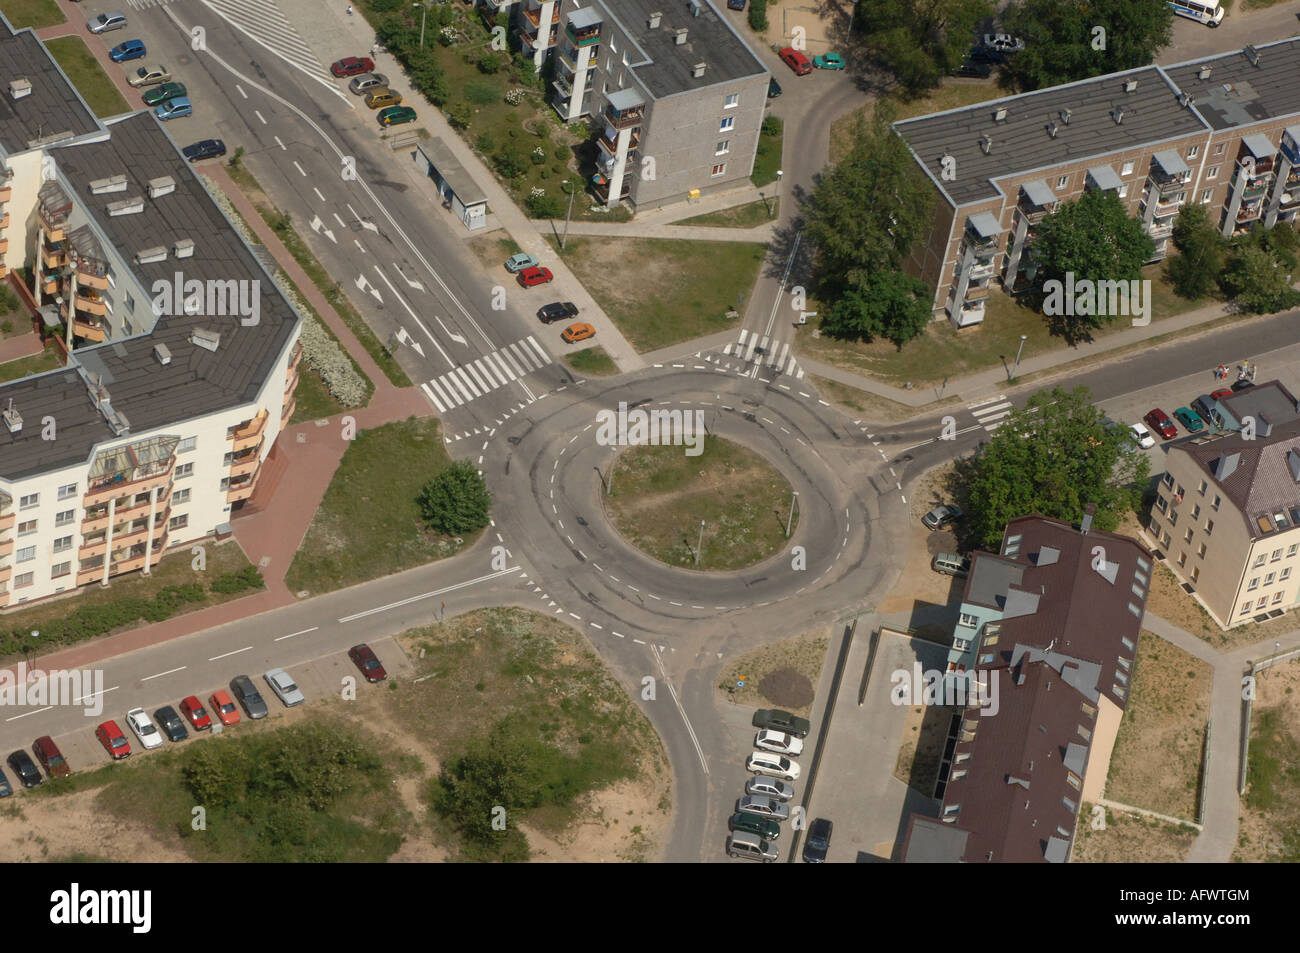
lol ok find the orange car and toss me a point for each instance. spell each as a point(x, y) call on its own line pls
point(224, 707)
point(578, 332)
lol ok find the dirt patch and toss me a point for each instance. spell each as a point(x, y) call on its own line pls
point(802, 655)
point(1129, 839)
point(920, 748)
point(919, 585)
point(788, 688)
point(1270, 809)
point(59, 828)
point(493, 248)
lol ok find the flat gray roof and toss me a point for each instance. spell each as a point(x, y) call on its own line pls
point(452, 172)
point(1171, 162)
point(710, 39)
point(53, 107)
point(1237, 92)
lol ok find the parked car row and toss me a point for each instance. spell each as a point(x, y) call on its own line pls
point(1195, 417)
point(528, 271)
point(802, 66)
point(374, 89)
point(169, 100)
point(171, 725)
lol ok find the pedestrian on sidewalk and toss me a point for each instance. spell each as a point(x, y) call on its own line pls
point(349, 11)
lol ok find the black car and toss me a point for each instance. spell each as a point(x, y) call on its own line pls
point(242, 687)
point(171, 723)
point(974, 69)
point(986, 54)
point(204, 149)
point(773, 88)
point(818, 842)
point(28, 774)
point(1243, 384)
point(557, 311)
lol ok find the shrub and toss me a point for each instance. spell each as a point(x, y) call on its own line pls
point(250, 577)
point(456, 501)
point(486, 143)
point(545, 206)
point(758, 15)
point(510, 162)
point(561, 152)
point(772, 126)
point(538, 156)
point(515, 96)
point(325, 356)
point(6, 326)
point(460, 115)
point(490, 63)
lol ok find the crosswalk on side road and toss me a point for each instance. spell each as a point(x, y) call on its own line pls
point(460, 385)
point(990, 412)
point(763, 349)
point(263, 21)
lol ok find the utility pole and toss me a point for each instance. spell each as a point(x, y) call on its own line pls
point(569, 214)
point(701, 543)
point(790, 519)
point(1023, 338)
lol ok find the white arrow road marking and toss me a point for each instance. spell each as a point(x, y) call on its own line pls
point(366, 286)
point(318, 226)
point(458, 338)
point(404, 338)
point(414, 317)
point(410, 281)
point(371, 226)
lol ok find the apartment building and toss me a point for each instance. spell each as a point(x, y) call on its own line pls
point(674, 94)
point(1049, 626)
point(1226, 517)
point(157, 428)
point(1223, 131)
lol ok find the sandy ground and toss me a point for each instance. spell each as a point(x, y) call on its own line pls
point(804, 653)
point(918, 583)
point(1258, 837)
point(52, 829)
point(1129, 838)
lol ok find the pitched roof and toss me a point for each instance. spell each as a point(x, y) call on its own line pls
point(1256, 475)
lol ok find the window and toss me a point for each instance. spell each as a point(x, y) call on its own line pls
point(1201, 489)
point(959, 774)
point(1143, 564)
point(728, 122)
point(181, 496)
point(1167, 480)
point(1245, 607)
point(1217, 500)
point(1073, 780)
point(26, 554)
point(1127, 643)
point(225, 484)
point(964, 756)
point(732, 101)
point(1190, 533)
point(1284, 575)
point(1218, 150)
point(1277, 597)
point(28, 501)
point(1084, 733)
point(991, 639)
point(60, 569)
point(719, 169)
point(1263, 601)
point(68, 491)
point(130, 304)
point(1277, 554)
point(1115, 689)
point(1209, 527)
point(64, 518)
point(228, 459)
point(1207, 196)
point(63, 544)
point(1136, 609)
point(1137, 590)
point(1253, 584)
point(1259, 561)
point(1212, 172)
point(1088, 709)
point(1268, 580)
point(723, 148)
point(1193, 151)
point(22, 580)
point(27, 528)
point(186, 445)
point(1063, 181)
point(1201, 552)
point(184, 470)
point(1196, 573)
point(1162, 504)
point(1122, 191)
point(1070, 804)
point(986, 659)
point(1292, 549)
point(1127, 169)
point(1166, 540)
point(1196, 512)
point(179, 522)
point(1124, 663)
point(969, 621)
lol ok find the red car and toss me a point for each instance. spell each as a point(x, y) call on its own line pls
point(352, 66)
point(225, 708)
point(192, 709)
point(365, 659)
point(796, 61)
point(1159, 421)
point(114, 742)
point(1222, 393)
point(50, 757)
point(535, 276)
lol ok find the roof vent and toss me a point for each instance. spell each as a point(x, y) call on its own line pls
point(679, 37)
point(151, 255)
point(163, 185)
point(1225, 465)
point(986, 144)
point(1293, 461)
point(13, 419)
point(126, 206)
point(163, 353)
point(19, 88)
point(1185, 99)
point(207, 339)
point(184, 248)
point(1086, 523)
point(1130, 85)
point(112, 183)
point(654, 20)
point(698, 70)
point(1065, 116)
point(1117, 114)
point(117, 421)
point(1000, 114)
point(695, 7)
point(1204, 72)
point(1252, 54)
point(1053, 129)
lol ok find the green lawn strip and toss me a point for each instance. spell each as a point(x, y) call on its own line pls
point(368, 524)
point(767, 160)
point(86, 74)
point(47, 360)
point(332, 290)
point(741, 216)
point(660, 495)
point(32, 13)
point(592, 361)
point(663, 291)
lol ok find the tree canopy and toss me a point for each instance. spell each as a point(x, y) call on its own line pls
point(456, 501)
point(920, 41)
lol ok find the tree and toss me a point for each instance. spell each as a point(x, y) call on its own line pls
point(1202, 253)
point(456, 501)
point(920, 41)
point(510, 161)
point(459, 114)
point(1093, 238)
point(1257, 282)
point(886, 304)
point(758, 15)
point(1069, 40)
point(1071, 458)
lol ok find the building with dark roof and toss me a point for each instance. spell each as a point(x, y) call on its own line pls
point(1222, 131)
point(1049, 630)
point(180, 352)
point(680, 92)
point(1226, 516)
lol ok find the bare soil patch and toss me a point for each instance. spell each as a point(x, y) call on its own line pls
point(1129, 839)
point(802, 655)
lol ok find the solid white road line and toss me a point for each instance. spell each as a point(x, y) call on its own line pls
point(293, 634)
point(215, 658)
point(170, 671)
point(428, 595)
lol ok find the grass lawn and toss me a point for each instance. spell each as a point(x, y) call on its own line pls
point(368, 524)
point(954, 94)
point(856, 402)
point(941, 351)
point(313, 400)
point(1270, 808)
point(661, 495)
point(660, 291)
point(91, 81)
point(1129, 838)
point(493, 250)
point(31, 13)
point(47, 360)
point(592, 361)
point(1156, 763)
point(768, 157)
point(741, 216)
point(802, 654)
point(320, 277)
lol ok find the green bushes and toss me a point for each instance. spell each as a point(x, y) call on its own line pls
point(456, 501)
point(250, 577)
point(758, 15)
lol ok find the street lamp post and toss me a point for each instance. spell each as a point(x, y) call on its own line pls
point(1019, 350)
point(700, 545)
point(567, 215)
point(424, 13)
point(777, 196)
point(790, 519)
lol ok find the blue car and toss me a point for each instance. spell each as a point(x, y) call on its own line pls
point(130, 50)
point(174, 109)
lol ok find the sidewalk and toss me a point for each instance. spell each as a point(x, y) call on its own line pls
point(20, 346)
point(698, 233)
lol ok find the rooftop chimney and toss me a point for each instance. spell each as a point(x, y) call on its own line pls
point(1065, 116)
point(680, 36)
point(205, 338)
point(1130, 85)
point(698, 70)
point(654, 20)
point(1204, 72)
point(1117, 114)
point(112, 183)
point(19, 88)
point(1252, 54)
point(13, 419)
point(1088, 512)
point(986, 144)
point(1000, 114)
point(163, 353)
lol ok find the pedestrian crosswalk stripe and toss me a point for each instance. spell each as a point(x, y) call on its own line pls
point(503, 367)
point(429, 394)
point(473, 373)
point(775, 353)
point(469, 384)
point(475, 378)
point(263, 21)
point(991, 412)
point(455, 386)
point(510, 362)
point(450, 401)
point(541, 353)
point(490, 372)
point(519, 354)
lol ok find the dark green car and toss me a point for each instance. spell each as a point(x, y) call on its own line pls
point(396, 115)
point(764, 827)
point(774, 719)
point(161, 94)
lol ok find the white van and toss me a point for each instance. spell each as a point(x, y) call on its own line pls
point(751, 847)
point(1202, 11)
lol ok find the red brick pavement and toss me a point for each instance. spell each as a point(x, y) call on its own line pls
point(24, 345)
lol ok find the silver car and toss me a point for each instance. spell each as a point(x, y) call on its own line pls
point(366, 82)
point(105, 22)
point(242, 687)
point(769, 787)
point(765, 806)
point(284, 688)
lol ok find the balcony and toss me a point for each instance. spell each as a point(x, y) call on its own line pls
point(534, 17)
point(967, 316)
point(90, 301)
point(127, 561)
point(584, 37)
point(132, 536)
point(6, 548)
point(6, 193)
point(291, 383)
point(52, 256)
point(244, 464)
point(7, 521)
point(1250, 212)
point(90, 571)
point(53, 220)
point(88, 331)
point(981, 271)
point(92, 276)
point(93, 548)
point(5, 574)
point(242, 489)
point(1033, 214)
point(1161, 229)
point(4, 220)
point(248, 434)
point(118, 486)
point(286, 413)
point(1262, 166)
point(976, 293)
point(600, 185)
point(627, 118)
point(608, 140)
point(295, 358)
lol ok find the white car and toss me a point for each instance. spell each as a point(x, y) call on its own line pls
point(1144, 438)
point(105, 22)
point(778, 741)
point(144, 729)
point(284, 688)
point(764, 786)
point(770, 763)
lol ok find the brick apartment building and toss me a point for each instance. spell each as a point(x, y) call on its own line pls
point(1223, 131)
point(674, 94)
point(158, 425)
point(1054, 620)
point(1227, 510)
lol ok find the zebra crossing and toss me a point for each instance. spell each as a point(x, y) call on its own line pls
point(262, 21)
point(460, 385)
point(763, 349)
point(990, 412)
